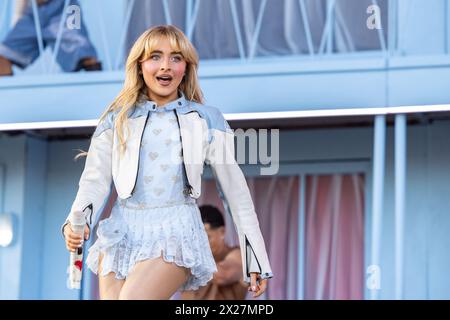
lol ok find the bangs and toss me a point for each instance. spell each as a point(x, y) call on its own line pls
point(153, 42)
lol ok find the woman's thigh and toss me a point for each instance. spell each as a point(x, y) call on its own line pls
point(109, 287)
point(153, 279)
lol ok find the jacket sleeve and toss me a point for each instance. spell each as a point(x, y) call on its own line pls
point(233, 190)
point(96, 179)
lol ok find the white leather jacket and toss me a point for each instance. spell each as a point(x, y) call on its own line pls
point(207, 138)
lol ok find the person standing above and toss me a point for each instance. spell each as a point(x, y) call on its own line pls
point(21, 48)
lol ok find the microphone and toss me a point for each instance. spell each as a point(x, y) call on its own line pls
point(77, 223)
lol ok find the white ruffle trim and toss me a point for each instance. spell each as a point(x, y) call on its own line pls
point(175, 233)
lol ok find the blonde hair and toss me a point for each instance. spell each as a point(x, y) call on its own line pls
point(134, 86)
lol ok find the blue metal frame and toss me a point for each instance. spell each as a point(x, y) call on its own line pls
point(59, 36)
point(101, 23)
point(301, 239)
point(378, 190)
point(237, 29)
point(192, 9)
point(306, 26)
point(38, 27)
point(396, 29)
point(400, 194)
point(257, 31)
point(122, 36)
point(447, 27)
point(5, 17)
point(192, 17)
point(167, 16)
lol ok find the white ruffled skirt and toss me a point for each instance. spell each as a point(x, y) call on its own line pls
point(174, 232)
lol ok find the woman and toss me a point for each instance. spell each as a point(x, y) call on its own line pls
point(152, 143)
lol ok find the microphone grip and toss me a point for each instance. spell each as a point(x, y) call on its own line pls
point(77, 224)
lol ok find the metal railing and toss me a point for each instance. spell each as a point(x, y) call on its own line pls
point(333, 18)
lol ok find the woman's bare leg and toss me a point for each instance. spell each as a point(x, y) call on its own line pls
point(153, 279)
point(108, 285)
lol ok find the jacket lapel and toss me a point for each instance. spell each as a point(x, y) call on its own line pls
point(192, 137)
point(128, 163)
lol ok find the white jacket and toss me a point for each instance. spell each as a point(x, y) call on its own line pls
point(207, 138)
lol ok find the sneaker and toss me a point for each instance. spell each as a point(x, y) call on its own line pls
point(5, 67)
point(88, 64)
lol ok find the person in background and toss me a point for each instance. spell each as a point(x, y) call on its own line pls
point(227, 282)
point(21, 48)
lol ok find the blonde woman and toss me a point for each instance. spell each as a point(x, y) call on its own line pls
point(151, 143)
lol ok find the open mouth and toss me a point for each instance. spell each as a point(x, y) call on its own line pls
point(164, 80)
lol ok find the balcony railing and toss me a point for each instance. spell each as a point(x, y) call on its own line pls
point(314, 38)
point(334, 61)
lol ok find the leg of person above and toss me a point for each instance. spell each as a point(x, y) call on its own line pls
point(109, 286)
point(76, 52)
point(153, 279)
point(20, 46)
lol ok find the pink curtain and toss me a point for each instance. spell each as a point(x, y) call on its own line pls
point(334, 237)
point(276, 205)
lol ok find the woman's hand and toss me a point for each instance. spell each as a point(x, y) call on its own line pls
point(74, 240)
point(260, 288)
